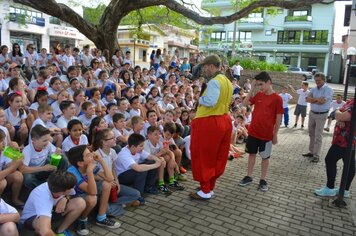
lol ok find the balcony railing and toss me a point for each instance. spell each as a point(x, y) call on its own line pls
point(298, 18)
point(252, 20)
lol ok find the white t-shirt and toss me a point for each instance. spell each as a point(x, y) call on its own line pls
point(134, 112)
point(302, 97)
point(62, 122)
point(40, 203)
point(160, 71)
point(43, 61)
point(165, 106)
point(32, 58)
point(6, 208)
point(285, 98)
point(35, 158)
point(109, 159)
point(68, 61)
point(152, 149)
point(15, 120)
point(237, 69)
point(86, 121)
point(118, 133)
point(127, 61)
point(87, 59)
point(108, 120)
point(106, 102)
point(68, 143)
point(334, 105)
point(56, 110)
point(125, 160)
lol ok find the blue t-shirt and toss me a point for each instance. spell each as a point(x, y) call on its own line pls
point(80, 178)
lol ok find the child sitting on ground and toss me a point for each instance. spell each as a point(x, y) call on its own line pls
point(155, 147)
point(103, 146)
point(85, 171)
point(35, 166)
point(137, 168)
point(50, 202)
point(121, 134)
point(9, 175)
point(88, 116)
point(9, 218)
point(75, 137)
point(68, 110)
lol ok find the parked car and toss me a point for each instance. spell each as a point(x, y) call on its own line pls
point(299, 70)
point(313, 69)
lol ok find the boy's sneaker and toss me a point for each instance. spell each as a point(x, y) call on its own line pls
point(182, 177)
point(151, 190)
point(346, 193)
point(164, 189)
point(245, 181)
point(325, 192)
point(302, 127)
point(263, 185)
point(295, 126)
point(175, 186)
point(82, 228)
point(182, 170)
point(110, 223)
point(65, 233)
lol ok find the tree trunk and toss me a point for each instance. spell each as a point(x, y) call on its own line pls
point(104, 39)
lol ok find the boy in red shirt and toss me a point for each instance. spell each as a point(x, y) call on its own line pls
point(266, 119)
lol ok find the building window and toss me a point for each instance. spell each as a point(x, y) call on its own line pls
point(245, 36)
point(26, 12)
point(347, 15)
point(300, 13)
point(230, 36)
point(54, 20)
point(318, 37)
point(218, 36)
point(289, 37)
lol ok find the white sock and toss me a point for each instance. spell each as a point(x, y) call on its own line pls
point(212, 193)
point(204, 195)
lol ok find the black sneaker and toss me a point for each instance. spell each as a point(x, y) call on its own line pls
point(302, 127)
point(82, 228)
point(151, 190)
point(307, 154)
point(109, 223)
point(163, 189)
point(315, 160)
point(175, 186)
point(295, 126)
point(245, 181)
point(263, 185)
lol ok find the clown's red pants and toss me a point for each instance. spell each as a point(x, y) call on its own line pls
point(209, 146)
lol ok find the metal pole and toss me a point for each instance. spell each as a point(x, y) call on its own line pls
point(339, 202)
point(347, 79)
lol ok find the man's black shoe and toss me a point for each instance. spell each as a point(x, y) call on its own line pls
point(307, 154)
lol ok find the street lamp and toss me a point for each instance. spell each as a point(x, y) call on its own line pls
point(351, 51)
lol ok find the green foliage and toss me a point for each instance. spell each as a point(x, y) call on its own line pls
point(93, 15)
point(296, 18)
point(252, 64)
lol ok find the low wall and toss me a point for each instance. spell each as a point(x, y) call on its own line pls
point(279, 79)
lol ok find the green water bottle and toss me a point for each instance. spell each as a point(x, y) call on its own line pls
point(55, 159)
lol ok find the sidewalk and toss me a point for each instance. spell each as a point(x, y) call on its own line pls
point(288, 208)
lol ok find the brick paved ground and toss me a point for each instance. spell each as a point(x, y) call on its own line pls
point(288, 208)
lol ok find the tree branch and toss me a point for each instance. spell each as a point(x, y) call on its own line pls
point(62, 12)
point(180, 8)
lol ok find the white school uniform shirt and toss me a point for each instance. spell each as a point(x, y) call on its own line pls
point(116, 60)
point(119, 133)
point(127, 61)
point(68, 61)
point(106, 102)
point(40, 203)
point(35, 158)
point(31, 57)
point(43, 61)
point(134, 112)
point(302, 97)
point(34, 85)
point(3, 85)
point(334, 105)
point(6, 208)
point(4, 161)
point(108, 120)
point(165, 106)
point(62, 122)
point(109, 159)
point(160, 71)
point(285, 98)
point(86, 121)
point(125, 159)
point(68, 143)
point(94, 104)
point(152, 149)
point(34, 106)
point(87, 59)
point(147, 125)
point(126, 114)
point(14, 120)
point(47, 124)
point(56, 110)
point(51, 91)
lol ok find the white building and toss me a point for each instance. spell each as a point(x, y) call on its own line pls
point(24, 25)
